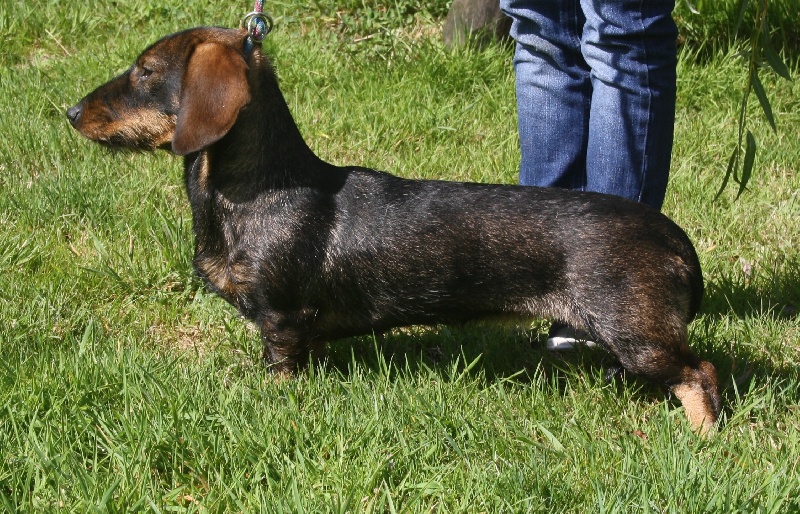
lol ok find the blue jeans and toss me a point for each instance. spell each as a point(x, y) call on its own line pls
point(596, 94)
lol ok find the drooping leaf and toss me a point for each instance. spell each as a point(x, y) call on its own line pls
point(758, 89)
point(728, 172)
point(775, 62)
point(747, 165)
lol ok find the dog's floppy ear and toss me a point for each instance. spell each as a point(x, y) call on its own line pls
point(214, 89)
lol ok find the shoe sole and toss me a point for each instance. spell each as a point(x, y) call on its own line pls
point(561, 344)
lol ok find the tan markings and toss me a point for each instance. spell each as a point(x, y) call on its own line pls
point(138, 129)
point(204, 168)
point(229, 278)
point(696, 405)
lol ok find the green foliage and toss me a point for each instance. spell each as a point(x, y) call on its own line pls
point(759, 54)
point(765, 28)
point(711, 27)
point(126, 386)
point(382, 30)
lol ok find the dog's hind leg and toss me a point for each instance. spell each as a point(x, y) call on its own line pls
point(667, 359)
point(698, 391)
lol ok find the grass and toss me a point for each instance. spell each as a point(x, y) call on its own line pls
point(126, 386)
point(710, 26)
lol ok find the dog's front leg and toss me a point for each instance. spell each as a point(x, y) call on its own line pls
point(287, 346)
point(283, 353)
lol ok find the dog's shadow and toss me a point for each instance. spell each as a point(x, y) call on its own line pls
point(499, 352)
point(766, 300)
point(512, 352)
point(495, 353)
point(748, 293)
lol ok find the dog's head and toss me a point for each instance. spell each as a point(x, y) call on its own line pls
point(183, 93)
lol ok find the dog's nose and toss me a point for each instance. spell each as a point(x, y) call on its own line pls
point(74, 113)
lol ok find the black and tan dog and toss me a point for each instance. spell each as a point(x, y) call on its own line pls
point(312, 252)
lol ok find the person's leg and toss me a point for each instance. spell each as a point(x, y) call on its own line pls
point(553, 91)
point(630, 48)
point(553, 102)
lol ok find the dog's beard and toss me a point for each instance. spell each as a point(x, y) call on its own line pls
point(120, 144)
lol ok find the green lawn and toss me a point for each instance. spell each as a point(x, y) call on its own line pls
point(125, 385)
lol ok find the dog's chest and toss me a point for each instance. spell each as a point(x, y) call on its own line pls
point(230, 278)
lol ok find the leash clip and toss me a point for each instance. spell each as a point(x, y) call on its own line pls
point(258, 25)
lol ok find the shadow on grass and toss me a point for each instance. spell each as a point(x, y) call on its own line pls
point(496, 353)
point(516, 353)
point(753, 303)
point(747, 294)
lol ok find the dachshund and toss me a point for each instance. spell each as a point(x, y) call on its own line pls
point(312, 252)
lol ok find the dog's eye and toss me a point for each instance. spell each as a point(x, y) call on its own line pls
point(141, 72)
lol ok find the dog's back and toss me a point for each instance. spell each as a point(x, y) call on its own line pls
point(401, 252)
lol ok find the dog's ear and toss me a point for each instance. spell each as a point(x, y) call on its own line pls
point(214, 89)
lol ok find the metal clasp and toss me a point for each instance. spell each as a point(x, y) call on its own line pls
point(258, 25)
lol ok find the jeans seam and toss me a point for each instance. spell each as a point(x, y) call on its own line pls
point(649, 98)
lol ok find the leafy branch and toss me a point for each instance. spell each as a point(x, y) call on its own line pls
point(760, 54)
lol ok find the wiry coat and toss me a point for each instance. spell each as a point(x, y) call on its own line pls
point(313, 252)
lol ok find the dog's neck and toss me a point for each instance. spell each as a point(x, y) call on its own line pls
point(264, 149)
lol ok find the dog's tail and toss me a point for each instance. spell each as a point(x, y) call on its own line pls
point(695, 282)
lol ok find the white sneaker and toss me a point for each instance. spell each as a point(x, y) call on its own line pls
point(565, 338)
